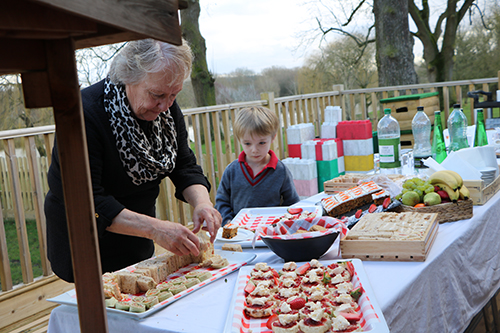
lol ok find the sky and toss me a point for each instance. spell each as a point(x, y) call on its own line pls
point(253, 34)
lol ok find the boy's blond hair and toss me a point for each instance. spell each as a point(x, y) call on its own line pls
point(255, 120)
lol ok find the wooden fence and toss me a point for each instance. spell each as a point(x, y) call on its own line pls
point(23, 168)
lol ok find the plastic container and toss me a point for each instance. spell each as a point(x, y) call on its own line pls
point(480, 138)
point(457, 126)
point(389, 144)
point(438, 145)
point(421, 129)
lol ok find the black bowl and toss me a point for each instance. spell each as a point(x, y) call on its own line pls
point(301, 249)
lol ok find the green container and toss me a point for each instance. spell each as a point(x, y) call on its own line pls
point(326, 170)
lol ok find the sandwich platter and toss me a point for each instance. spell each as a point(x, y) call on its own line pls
point(236, 260)
point(372, 319)
point(252, 218)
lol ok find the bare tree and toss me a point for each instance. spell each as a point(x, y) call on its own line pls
point(439, 61)
point(439, 45)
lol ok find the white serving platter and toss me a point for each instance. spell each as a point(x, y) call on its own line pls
point(372, 320)
point(236, 260)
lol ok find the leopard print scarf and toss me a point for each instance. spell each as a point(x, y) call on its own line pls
point(144, 157)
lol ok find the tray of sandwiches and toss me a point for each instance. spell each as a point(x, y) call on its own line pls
point(242, 227)
point(153, 284)
point(316, 296)
point(391, 236)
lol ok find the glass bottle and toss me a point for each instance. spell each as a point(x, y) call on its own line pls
point(389, 144)
point(480, 138)
point(457, 126)
point(438, 145)
point(421, 129)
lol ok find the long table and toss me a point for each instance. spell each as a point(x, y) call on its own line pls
point(441, 294)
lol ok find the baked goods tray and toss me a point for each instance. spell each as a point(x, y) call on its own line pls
point(372, 317)
point(235, 259)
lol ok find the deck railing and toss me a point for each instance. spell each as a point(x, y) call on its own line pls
point(27, 153)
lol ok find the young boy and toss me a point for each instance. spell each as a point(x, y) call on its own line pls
point(258, 178)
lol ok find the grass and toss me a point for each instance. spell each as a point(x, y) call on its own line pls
point(13, 249)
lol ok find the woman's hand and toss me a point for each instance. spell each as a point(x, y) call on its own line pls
point(204, 211)
point(170, 235)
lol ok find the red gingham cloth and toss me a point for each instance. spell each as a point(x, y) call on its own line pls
point(288, 229)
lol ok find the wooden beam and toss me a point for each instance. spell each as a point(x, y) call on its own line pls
point(157, 19)
point(75, 174)
point(23, 55)
point(26, 17)
point(36, 90)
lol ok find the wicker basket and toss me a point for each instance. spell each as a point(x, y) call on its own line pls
point(447, 212)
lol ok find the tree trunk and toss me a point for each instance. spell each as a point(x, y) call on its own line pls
point(201, 78)
point(394, 43)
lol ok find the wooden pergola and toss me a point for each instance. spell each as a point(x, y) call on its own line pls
point(38, 39)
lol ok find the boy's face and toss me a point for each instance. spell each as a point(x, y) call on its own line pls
point(256, 147)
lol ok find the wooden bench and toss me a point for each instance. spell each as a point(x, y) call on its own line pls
point(26, 309)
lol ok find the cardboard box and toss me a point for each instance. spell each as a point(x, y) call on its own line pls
point(480, 194)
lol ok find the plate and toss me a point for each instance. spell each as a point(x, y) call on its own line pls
point(243, 235)
point(373, 319)
point(236, 260)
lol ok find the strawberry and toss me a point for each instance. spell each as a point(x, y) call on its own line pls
point(356, 293)
point(386, 203)
point(326, 278)
point(297, 303)
point(271, 320)
point(372, 208)
point(437, 188)
point(351, 316)
point(294, 210)
point(250, 286)
point(350, 267)
point(275, 273)
point(358, 213)
point(303, 269)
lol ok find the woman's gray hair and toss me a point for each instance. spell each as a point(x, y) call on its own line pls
point(140, 57)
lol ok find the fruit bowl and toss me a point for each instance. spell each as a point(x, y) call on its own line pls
point(303, 249)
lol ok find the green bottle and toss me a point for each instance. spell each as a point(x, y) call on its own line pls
point(480, 139)
point(438, 145)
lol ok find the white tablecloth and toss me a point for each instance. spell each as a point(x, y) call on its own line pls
point(442, 294)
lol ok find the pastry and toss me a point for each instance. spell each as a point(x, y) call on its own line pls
point(229, 231)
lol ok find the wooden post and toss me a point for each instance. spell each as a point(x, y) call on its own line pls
point(341, 101)
point(280, 151)
point(75, 173)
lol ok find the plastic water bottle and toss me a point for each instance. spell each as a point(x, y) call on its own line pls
point(457, 126)
point(438, 145)
point(421, 129)
point(480, 138)
point(389, 144)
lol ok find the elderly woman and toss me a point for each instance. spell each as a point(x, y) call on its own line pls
point(136, 136)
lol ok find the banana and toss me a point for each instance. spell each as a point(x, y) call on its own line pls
point(453, 194)
point(443, 177)
point(464, 193)
point(459, 179)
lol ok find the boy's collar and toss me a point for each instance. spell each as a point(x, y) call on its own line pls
point(273, 162)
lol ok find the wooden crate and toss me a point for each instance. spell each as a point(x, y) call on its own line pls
point(347, 181)
point(391, 250)
point(480, 194)
point(404, 107)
